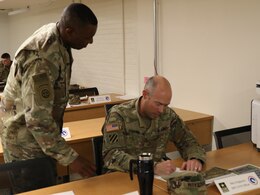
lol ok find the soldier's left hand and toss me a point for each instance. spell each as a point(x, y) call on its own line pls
point(192, 165)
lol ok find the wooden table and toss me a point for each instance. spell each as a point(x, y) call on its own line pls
point(83, 131)
point(89, 111)
point(228, 158)
point(120, 183)
point(200, 124)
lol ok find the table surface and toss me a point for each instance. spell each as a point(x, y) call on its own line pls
point(120, 183)
point(85, 110)
point(84, 130)
point(115, 98)
point(87, 129)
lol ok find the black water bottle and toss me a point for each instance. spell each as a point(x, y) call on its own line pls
point(145, 173)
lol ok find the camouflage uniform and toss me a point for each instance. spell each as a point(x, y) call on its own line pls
point(4, 71)
point(186, 183)
point(127, 135)
point(35, 98)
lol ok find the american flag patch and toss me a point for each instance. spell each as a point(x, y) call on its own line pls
point(112, 127)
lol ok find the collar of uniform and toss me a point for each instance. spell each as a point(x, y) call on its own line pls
point(143, 122)
point(63, 44)
point(61, 41)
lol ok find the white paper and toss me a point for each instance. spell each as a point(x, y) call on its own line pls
point(84, 98)
point(65, 193)
point(132, 193)
point(160, 178)
point(65, 133)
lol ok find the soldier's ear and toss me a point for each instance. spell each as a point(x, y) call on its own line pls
point(69, 30)
point(145, 93)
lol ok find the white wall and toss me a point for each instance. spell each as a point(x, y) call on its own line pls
point(104, 63)
point(210, 53)
point(4, 46)
point(145, 39)
point(21, 26)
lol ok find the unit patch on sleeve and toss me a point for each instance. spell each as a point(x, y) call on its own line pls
point(113, 138)
point(42, 88)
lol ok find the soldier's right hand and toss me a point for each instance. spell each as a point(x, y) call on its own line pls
point(83, 167)
point(164, 168)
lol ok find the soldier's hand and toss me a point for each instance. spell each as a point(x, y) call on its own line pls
point(192, 165)
point(164, 168)
point(83, 167)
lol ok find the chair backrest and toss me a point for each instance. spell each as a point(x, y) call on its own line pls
point(97, 143)
point(2, 86)
point(230, 137)
point(84, 91)
point(107, 107)
point(27, 175)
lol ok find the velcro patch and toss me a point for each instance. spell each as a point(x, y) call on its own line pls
point(112, 127)
point(42, 88)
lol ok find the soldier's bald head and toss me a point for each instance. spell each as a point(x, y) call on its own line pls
point(157, 82)
point(156, 97)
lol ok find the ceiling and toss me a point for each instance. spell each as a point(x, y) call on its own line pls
point(10, 5)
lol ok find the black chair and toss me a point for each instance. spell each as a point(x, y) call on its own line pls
point(230, 137)
point(97, 143)
point(2, 86)
point(27, 175)
point(107, 107)
point(92, 91)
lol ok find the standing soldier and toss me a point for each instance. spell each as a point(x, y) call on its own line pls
point(36, 91)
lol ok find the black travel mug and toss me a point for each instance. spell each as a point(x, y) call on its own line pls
point(145, 173)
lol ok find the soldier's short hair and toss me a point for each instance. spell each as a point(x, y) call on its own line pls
point(5, 56)
point(78, 14)
point(150, 84)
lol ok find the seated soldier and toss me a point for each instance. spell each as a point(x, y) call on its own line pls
point(147, 124)
point(5, 66)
